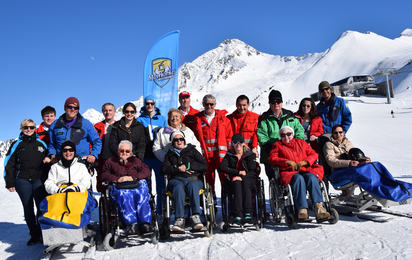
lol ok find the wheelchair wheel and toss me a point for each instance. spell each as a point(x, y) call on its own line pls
point(103, 217)
point(155, 237)
point(261, 212)
point(275, 205)
point(164, 230)
point(110, 239)
point(210, 212)
point(263, 201)
point(224, 225)
point(290, 221)
point(334, 216)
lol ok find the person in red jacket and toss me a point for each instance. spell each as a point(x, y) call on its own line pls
point(104, 128)
point(245, 122)
point(311, 122)
point(185, 108)
point(212, 129)
point(296, 161)
point(48, 114)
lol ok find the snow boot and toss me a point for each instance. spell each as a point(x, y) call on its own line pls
point(320, 211)
point(197, 224)
point(179, 225)
point(303, 213)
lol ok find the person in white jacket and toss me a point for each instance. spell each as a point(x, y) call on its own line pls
point(70, 170)
point(163, 142)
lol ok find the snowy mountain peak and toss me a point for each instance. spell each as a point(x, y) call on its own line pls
point(407, 33)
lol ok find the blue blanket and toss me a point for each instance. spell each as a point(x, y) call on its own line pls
point(375, 179)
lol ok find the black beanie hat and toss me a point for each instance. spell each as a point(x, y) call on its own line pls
point(275, 95)
point(237, 138)
point(323, 84)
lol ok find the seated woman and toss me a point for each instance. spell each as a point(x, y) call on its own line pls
point(296, 160)
point(133, 201)
point(69, 174)
point(336, 151)
point(239, 163)
point(185, 166)
point(311, 122)
point(349, 163)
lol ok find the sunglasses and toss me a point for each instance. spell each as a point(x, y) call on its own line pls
point(29, 127)
point(68, 150)
point(285, 134)
point(129, 112)
point(150, 103)
point(209, 104)
point(178, 139)
point(308, 106)
point(72, 107)
point(238, 142)
point(124, 151)
point(338, 132)
point(324, 89)
point(275, 102)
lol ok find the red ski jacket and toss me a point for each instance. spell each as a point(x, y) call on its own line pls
point(246, 125)
point(316, 129)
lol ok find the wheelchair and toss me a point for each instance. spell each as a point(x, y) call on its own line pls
point(206, 205)
point(282, 203)
point(111, 228)
point(258, 203)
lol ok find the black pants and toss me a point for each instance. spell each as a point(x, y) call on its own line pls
point(242, 191)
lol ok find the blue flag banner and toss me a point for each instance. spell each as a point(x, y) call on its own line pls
point(160, 72)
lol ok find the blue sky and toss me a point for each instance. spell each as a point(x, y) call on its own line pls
point(95, 50)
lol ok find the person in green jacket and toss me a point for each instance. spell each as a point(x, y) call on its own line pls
point(268, 128)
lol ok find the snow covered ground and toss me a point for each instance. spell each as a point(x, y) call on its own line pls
point(380, 136)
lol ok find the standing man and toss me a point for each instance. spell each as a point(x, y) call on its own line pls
point(72, 126)
point(103, 129)
point(48, 114)
point(185, 108)
point(332, 109)
point(214, 132)
point(268, 128)
point(245, 122)
point(153, 121)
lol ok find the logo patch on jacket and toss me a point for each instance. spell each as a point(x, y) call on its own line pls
point(40, 149)
point(59, 133)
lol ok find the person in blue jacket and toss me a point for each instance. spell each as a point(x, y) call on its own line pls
point(72, 126)
point(153, 121)
point(332, 109)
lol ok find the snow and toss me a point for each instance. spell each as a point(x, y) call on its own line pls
point(380, 136)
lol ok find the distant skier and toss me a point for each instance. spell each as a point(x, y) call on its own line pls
point(393, 114)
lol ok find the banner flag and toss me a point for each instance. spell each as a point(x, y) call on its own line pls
point(160, 72)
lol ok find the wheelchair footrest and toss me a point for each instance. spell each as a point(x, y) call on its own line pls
point(306, 220)
point(198, 230)
point(177, 232)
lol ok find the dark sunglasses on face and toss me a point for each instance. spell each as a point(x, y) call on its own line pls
point(72, 107)
point(275, 102)
point(129, 112)
point(285, 134)
point(124, 151)
point(308, 106)
point(29, 127)
point(238, 142)
point(68, 150)
point(178, 139)
point(150, 103)
point(324, 89)
point(209, 104)
point(338, 132)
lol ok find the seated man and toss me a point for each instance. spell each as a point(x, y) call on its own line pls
point(185, 166)
point(349, 163)
point(133, 200)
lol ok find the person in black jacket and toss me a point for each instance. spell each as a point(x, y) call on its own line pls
point(239, 163)
point(127, 128)
point(24, 173)
point(186, 167)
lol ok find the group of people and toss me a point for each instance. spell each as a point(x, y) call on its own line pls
point(185, 146)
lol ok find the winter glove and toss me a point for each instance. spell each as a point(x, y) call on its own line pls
point(301, 164)
point(293, 165)
point(73, 188)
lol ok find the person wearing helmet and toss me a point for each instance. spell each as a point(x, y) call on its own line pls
point(340, 152)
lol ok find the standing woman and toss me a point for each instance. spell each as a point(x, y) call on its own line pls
point(24, 174)
point(239, 163)
point(311, 122)
point(128, 128)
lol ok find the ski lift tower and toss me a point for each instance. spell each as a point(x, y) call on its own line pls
point(387, 73)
